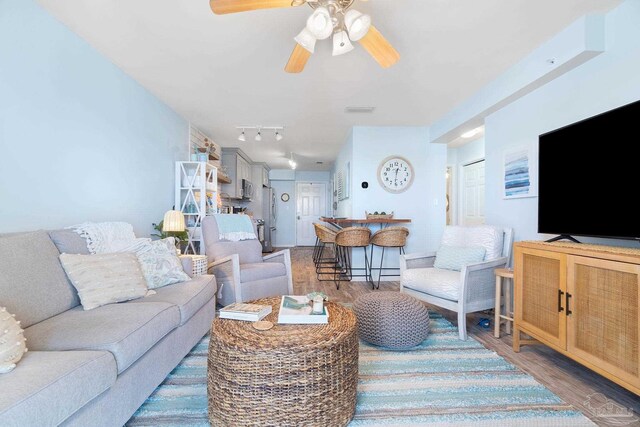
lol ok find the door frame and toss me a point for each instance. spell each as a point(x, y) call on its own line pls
point(326, 203)
point(460, 187)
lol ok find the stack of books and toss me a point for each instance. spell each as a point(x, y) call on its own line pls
point(246, 312)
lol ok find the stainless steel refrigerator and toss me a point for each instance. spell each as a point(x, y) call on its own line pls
point(269, 214)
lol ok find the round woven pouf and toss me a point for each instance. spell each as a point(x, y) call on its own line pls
point(289, 375)
point(391, 319)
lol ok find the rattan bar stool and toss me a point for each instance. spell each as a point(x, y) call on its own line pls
point(347, 239)
point(324, 265)
point(391, 237)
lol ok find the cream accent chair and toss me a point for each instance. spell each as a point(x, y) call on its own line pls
point(469, 290)
point(242, 271)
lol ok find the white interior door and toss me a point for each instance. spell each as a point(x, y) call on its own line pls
point(311, 203)
point(473, 194)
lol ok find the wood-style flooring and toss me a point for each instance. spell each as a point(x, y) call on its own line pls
point(574, 383)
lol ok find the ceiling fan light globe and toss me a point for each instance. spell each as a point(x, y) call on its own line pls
point(320, 23)
point(357, 24)
point(306, 40)
point(341, 43)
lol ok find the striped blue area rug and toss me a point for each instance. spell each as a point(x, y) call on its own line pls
point(442, 382)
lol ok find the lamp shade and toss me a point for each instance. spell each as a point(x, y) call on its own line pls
point(306, 40)
point(357, 24)
point(173, 221)
point(320, 23)
point(341, 43)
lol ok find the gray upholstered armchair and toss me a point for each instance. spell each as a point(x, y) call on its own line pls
point(466, 291)
point(242, 271)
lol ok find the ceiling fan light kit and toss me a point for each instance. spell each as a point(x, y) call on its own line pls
point(357, 24)
point(320, 23)
point(306, 40)
point(341, 43)
point(329, 17)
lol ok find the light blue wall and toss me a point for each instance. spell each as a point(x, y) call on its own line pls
point(610, 80)
point(286, 221)
point(423, 202)
point(345, 156)
point(79, 139)
point(470, 152)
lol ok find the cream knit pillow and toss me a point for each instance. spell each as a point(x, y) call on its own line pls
point(12, 341)
point(105, 278)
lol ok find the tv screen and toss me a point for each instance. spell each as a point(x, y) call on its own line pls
point(589, 176)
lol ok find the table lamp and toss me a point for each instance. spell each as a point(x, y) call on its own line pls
point(174, 222)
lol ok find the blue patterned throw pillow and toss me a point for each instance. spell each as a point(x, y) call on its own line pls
point(456, 257)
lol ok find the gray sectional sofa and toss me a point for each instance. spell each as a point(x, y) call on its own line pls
point(91, 367)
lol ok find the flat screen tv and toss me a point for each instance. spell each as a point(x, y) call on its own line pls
point(589, 177)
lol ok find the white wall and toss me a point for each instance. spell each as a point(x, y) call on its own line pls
point(610, 80)
point(79, 139)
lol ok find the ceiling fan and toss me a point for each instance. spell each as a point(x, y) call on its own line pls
point(329, 17)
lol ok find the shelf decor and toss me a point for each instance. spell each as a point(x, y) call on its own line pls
point(196, 190)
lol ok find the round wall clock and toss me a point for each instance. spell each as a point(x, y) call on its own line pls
point(395, 174)
point(284, 197)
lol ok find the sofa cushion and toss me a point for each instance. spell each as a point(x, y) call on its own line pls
point(433, 281)
point(69, 242)
point(126, 330)
point(188, 296)
point(261, 270)
point(489, 237)
point(49, 386)
point(33, 285)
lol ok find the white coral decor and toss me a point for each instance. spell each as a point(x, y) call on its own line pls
point(12, 342)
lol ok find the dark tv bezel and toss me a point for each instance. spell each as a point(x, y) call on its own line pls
point(565, 233)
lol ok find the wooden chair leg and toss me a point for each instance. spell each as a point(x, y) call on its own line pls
point(496, 321)
point(507, 304)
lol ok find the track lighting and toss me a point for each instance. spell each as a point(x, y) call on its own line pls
point(292, 162)
point(277, 129)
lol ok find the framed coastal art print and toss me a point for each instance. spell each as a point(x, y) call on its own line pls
point(520, 171)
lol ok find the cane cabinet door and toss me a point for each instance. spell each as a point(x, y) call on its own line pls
point(603, 316)
point(540, 286)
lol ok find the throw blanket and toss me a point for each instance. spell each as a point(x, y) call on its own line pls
point(234, 227)
point(109, 237)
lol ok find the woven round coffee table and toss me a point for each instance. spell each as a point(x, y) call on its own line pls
point(289, 375)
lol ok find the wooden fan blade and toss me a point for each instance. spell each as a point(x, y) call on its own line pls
point(298, 60)
point(221, 7)
point(379, 48)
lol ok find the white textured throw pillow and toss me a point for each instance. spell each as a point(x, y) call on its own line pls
point(105, 278)
point(160, 264)
point(456, 257)
point(12, 341)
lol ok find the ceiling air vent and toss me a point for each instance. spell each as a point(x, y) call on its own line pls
point(359, 109)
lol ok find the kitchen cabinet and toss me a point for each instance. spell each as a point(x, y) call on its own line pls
point(238, 166)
